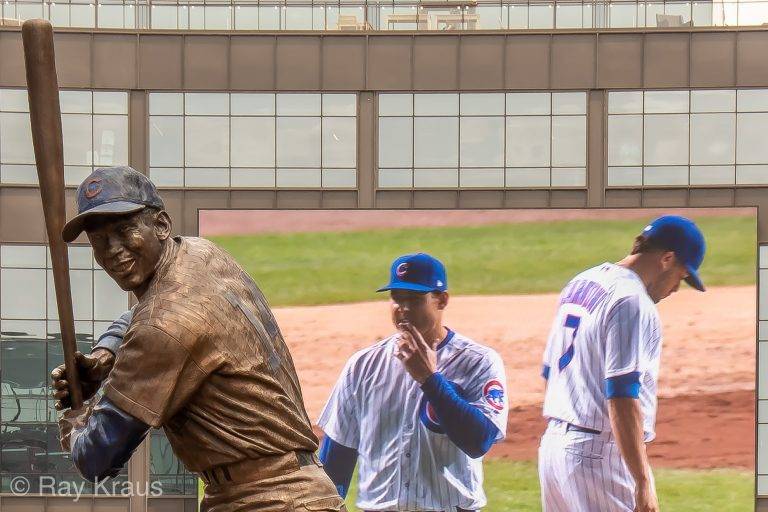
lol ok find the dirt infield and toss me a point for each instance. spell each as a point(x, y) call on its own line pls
point(707, 386)
point(246, 222)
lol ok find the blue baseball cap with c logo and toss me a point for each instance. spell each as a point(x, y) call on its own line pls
point(418, 272)
point(681, 236)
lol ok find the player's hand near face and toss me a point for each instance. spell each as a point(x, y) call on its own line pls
point(418, 357)
point(93, 369)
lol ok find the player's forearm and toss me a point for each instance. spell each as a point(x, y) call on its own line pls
point(466, 426)
point(627, 425)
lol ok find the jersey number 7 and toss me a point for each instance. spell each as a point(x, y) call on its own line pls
point(572, 322)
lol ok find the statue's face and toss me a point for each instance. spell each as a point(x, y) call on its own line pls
point(127, 247)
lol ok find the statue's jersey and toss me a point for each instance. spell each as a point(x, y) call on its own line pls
point(205, 359)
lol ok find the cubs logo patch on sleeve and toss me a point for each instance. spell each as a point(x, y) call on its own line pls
point(427, 413)
point(493, 393)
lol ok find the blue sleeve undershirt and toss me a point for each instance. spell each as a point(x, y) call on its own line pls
point(113, 336)
point(545, 371)
point(339, 463)
point(465, 424)
point(621, 386)
point(103, 446)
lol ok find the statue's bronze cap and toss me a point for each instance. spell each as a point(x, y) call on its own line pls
point(111, 191)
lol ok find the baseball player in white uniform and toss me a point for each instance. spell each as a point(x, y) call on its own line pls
point(418, 410)
point(602, 366)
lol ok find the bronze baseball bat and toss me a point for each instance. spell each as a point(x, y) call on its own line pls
point(45, 118)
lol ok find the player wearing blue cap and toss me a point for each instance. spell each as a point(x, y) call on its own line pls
point(601, 363)
point(418, 410)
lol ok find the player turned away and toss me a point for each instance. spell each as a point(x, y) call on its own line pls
point(602, 368)
point(202, 358)
point(418, 410)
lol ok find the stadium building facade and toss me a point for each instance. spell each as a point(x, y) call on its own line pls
point(360, 104)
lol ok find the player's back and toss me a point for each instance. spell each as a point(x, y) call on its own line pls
point(576, 358)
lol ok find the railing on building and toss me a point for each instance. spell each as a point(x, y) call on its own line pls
point(437, 15)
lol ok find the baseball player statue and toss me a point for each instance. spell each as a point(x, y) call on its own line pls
point(601, 363)
point(417, 410)
point(202, 357)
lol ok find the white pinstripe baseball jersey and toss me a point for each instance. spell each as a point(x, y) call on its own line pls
point(405, 460)
point(606, 326)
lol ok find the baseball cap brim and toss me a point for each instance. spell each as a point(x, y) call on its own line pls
point(693, 279)
point(407, 286)
point(74, 227)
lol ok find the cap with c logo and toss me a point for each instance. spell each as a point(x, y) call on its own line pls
point(418, 272)
point(681, 236)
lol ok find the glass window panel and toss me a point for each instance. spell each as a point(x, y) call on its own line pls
point(110, 140)
point(625, 176)
point(166, 103)
point(395, 178)
point(569, 177)
point(623, 15)
point(569, 103)
point(206, 141)
point(653, 12)
point(253, 104)
point(540, 15)
point(256, 178)
point(752, 100)
point(435, 178)
point(80, 257)
point(299, 178)
point(23, 329)
point(58, 14)
point(666, 139)
point(108, 102)
point(752, 13)
point(395, 104)
point(713, 139)
point(167, 176)
point(164, 16)
point(750, 138)
point(28, 11)
point(289, 104)
point(436, 141)
point(246, 17)
point(74, 175)
point(27, 305)
point(14, 100)
point(81, 282)
point(482, 104)
point(297, 17)
point(480, 178)
point(436, 104)
point(664, 102)
point(18, 174)
point(528, 141)
point(681, 9)
point(707, 100)
point(206, 177)
point(527, 177)
point(76, 129)
point(16, 140)
point(206, 103)
point(83, 15)
point(625, 140)
point(22, 256)
point(491, 17)
point(702, 14)
point(109, 301)
point(253, 141)
point(339, 178)
point(218, 17)
point(110, 16)
point(194, 15)
point(339, 141)
point(713, 175)
point(339, 104)
point(269, 17)
point(625, 102)
point(518, 16)
point(528, 103)
point(751, 174)
point(670, 175)
point(569, 141)
point(568, 15)
point(75, 102)
point(298, 142)
point(166, 141)
point(482, 141)
point(396, 142)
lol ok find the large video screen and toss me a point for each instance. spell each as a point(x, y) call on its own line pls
point(508, 273)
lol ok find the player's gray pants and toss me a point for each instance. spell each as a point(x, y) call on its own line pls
point(582, 472)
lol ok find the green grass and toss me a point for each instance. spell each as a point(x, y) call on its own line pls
point(514, 486)
point(536, 257)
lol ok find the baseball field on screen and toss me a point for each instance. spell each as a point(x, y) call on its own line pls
point(320, 274)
